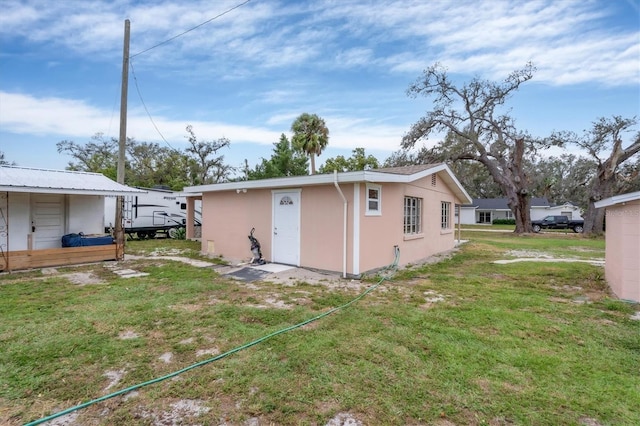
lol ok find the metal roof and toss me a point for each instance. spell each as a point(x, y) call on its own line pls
point(393, 174)
point(24, 179)
point(618, 199)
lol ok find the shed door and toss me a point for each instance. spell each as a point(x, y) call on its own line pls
point(47, 220)
point(286, 227)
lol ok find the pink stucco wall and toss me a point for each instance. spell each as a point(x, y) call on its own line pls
point(380, 233)
point(228, 217)
point(321, 226)
point(622, 268)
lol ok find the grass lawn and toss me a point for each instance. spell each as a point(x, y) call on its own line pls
point(507, 228)
point(460, 342)
point(488, 227)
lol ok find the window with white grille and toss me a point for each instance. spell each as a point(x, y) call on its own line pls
point(412, 215)
point(446, 215)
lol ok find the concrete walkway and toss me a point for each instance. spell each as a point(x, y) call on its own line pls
point(272, 272)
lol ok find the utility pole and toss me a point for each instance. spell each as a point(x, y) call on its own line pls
point(119, 231)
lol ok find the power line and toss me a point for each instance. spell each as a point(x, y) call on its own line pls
point(135, 79)
point(191, 29)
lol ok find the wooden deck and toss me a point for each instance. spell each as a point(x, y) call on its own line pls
point(27, 259)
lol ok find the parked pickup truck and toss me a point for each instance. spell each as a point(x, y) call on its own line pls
point(557, 222)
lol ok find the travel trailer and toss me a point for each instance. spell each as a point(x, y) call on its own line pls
point(146, 215)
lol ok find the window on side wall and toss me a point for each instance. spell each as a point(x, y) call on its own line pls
point(412, 215)
point(374, 200)
point(484, 217)
point(446, 215)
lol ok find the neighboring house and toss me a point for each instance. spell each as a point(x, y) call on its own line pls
point(485, 210)
point(38, 207)
point(622, 244)
point(348, 222)
point(539, 212)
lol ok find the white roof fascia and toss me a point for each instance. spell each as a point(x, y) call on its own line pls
point(618, 199)
point(442, 169)
point(40, 190)
point(23, 179)
point(328, 179)
point(284, 182)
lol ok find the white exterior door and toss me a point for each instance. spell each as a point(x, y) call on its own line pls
point(286, 227)
point(47, 220)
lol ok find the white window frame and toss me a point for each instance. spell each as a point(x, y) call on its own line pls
point(445, 215)
point(376, 211)
point(412, 216)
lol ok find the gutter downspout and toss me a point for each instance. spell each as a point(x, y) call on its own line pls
point(459, 223)
point(344, 224)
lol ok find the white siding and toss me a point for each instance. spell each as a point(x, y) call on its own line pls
point(83, 213)
point(86, 214)
point(19, 213)
point(467, 215)
point(539, 213)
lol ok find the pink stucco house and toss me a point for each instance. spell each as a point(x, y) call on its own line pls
point(344, 222)
point(622, 244)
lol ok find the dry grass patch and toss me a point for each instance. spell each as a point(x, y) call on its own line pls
point(458, 342)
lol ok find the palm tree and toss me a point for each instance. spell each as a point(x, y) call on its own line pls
point(310, 135)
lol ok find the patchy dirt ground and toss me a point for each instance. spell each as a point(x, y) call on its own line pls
point(190, 411)
point(538, 256)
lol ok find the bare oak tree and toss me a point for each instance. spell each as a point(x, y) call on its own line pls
point(470, 113)
point(100, 155)
point(603, 143)
point(4, 162)
point(206, 166)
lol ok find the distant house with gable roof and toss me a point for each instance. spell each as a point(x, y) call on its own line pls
point(486, 210)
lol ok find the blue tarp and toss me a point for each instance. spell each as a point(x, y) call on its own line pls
point(79, 240)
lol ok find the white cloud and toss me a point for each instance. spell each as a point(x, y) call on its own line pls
point(67, 118)
point(27, 114)
point(285, 118)
point(353, 132)
point(247, 75)
point(488, 36)
point(354, 57)
point(75, 118)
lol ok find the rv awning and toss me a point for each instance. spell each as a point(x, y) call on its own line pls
point(24, 179)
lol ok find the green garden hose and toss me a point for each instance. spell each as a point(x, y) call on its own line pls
point(385, 274)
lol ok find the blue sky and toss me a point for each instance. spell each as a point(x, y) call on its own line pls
point(247, 74)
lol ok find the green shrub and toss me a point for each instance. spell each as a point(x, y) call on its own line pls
point(178, 233)
point(503, 222)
